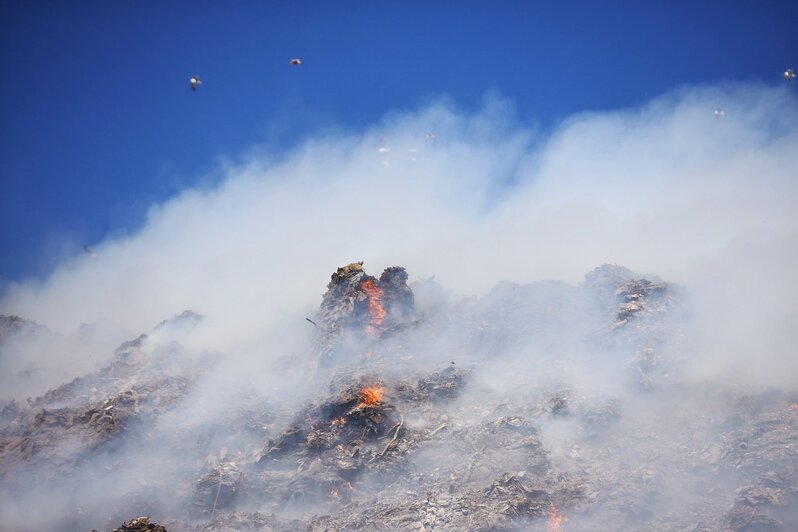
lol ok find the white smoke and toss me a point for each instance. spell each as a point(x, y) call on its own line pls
point(668, 189)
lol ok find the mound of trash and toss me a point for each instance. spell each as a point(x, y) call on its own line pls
point(469, 414)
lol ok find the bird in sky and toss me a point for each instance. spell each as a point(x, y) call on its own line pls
point(195, 82)
point(90, 251)
point(296, 61)
point(789, 74)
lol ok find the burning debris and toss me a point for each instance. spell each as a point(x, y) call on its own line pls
point(402, 438)
point(370, 396)
point(360, 307)
point(556, 519)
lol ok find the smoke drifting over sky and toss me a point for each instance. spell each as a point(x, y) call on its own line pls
point(667, 189)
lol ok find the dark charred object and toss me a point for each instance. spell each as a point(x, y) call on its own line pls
point(140, 524)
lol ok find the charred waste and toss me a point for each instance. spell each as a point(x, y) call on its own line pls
point(418, 410)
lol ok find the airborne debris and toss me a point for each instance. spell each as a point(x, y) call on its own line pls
point(195, 82)
point(789, 74)
point(296, 61)
point(719, 113)
point(90, 251)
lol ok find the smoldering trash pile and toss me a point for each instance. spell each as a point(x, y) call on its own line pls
point(414, 409)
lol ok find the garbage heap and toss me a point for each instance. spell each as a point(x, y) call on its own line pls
point(359, 308)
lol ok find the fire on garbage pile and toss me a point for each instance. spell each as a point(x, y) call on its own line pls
point(466, 414)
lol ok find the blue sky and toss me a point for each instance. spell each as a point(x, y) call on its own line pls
point(99, 122)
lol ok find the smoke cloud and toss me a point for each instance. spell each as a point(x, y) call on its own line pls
point(668, 189)
point(475, 200)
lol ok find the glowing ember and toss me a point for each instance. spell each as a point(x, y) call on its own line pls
point(376, 310)
point(338, 422)
point(556, 519)
point(345, 489)
point(370, 396)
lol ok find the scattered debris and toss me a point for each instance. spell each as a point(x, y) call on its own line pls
point(391, 434)
point(140, 524)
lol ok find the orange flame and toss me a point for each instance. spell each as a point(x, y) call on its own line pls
point(346, 487)
point(370, 396)
point(556, 519)
point(376, 310)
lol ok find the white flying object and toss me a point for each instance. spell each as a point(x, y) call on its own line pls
point(90, 251)
point(431, 137)
point(719, 113)
point(789, 74)
point(383, 146)
point(296, 61)
point(195, 82)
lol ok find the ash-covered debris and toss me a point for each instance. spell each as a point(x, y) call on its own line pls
point(81, 430)
point(36, 438)
point(356, 300)
point(644, 317)
point(12, 325)
point(443, 384)
point(631, 297)
point(761, 442)
point(358, 307)
point(187, 318)
point(397, 297)
point(635, 296)
point(249, 521)
point(357, 430)
point(761, 507)
point(218, 489)
point(140, 524)
point(475, 418)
